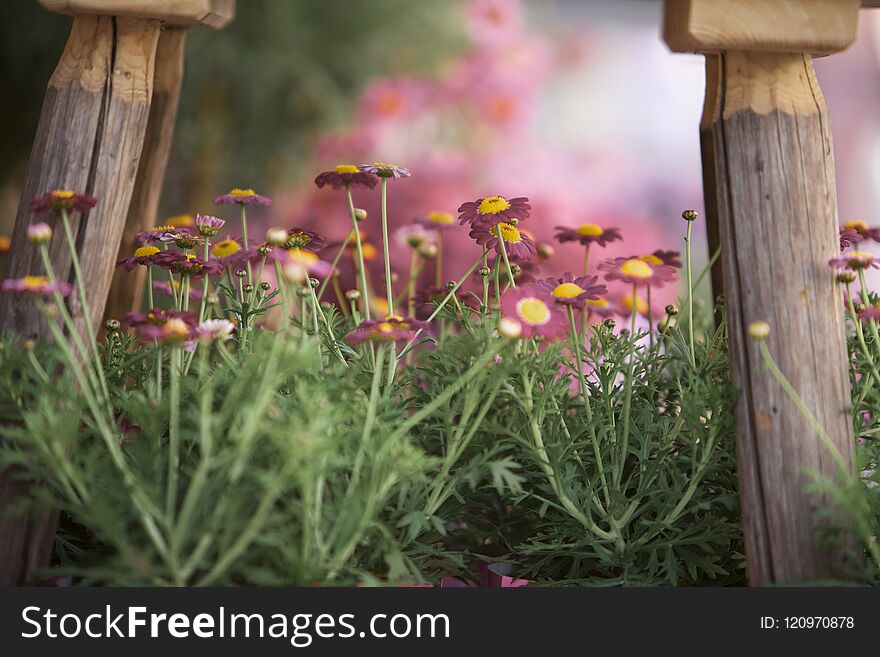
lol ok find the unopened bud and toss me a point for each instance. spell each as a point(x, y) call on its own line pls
point(759, 330)
point(264, 250)
point(112, 325)
point(689, 215)
point(360, 214)
point(484, 271)
point(450, 285)
point(314, 282)
point(304, 292)
point(545, 250)
point(241, 273)
point(428, 251)
point(672, 309)
point(610, 323)
point(277, 236)
point(352, 295)
point(509, 328)
point(40, 233)
point(515, 269)
point(248, 289)
point(846, 277)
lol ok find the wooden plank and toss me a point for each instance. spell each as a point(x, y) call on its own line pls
point(88, 139)
point(777, 213)
point(814, 26)
point(708, 156)
point(126, 291)
point(210, 13)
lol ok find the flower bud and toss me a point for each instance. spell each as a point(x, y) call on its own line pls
point(241, 273)
point(352, 295)
point(360, 214)
point(859, 307)
point(609, 323)
point(304, 292)
point(846, 277)
point(513, 221)
point(450, 285)
point(277, 236)
point(40, 233)
point(30, 344)
point(671, 310)
point(509, 328)
point(689, 215)
point(213, 299)
point(248, 289)
point(515, 269)
point(427, 251)
point(265, 286)
point(759, 330)
point(545, 250)
point(484, 271)
point(264, 250)
point(112, 325)
point(314, 282)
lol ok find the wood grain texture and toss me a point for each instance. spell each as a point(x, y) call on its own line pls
point(88, 139)
point(126, 290)
point(814, 26)
point(777, 213)
point(707, 156)
point(210, 13)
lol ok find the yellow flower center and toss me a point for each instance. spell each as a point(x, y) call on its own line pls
point(861, 255)
point(590, 230)
point(651, 259)
point(509, 233)
point(242, 193)
point(225, 248)
point(567, 290)
point(176, 327)
point(436, 217)
point(641, 305)
point(383, 165)
point(636, 268)
point(598, 303)
point(857, 225)
point(533, 311)
point(386, 327)
point(493, 205)
point(369, 251)
point(302, 257)
point(165, 228)
point(35, 282)
point(180, 220)
point(145, 251)
point(63, 194)
point(190, 257)
point(346, 168)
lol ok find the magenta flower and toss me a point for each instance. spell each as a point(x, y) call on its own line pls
point(300, 238)
point(849, 237)
point(238, 196)
point(62, 199)
point(39, 233)
point(661, 257)
point(865, 232)
point(855, 260)
point(156, 233)
point(436, 220)
point(588, 234)
point(517, 243)
point(391, 329)
point(214, 330)
point(494, 209)
point(144, 255)
point(637, 271)
point(162, 325)
point(385, 170)
point(535, 310)
point(346, 174)
point(571, 291)
point(300, 264)
point(186, 264)
point(36, 285)
point(207, 225)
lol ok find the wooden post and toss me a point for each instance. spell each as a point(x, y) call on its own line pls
point(89, 139)
point(127, 288)
point(769, 169)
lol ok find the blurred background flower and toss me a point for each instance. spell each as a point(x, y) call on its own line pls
point(575, 104)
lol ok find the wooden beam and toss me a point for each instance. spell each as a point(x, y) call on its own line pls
point(126, 290)
point(209, 13)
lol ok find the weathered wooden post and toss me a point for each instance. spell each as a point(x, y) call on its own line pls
point(770, 188)
point(90, 139)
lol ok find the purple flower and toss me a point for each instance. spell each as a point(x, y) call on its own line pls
point(300, 238)
point(185, 264)
point(37, 285)
point(535, 311)
point(391, 329)
point(207, 225)
point(494, 209)
point(436, 220)
point(346, 174)
point(39, 233)
point(238, 196)
point(855, 260)
point(588, 234)
point(661, 257)
point(385, 170)
point(62, 199)
point(865, 232)
point(162, 325)
point(144, 255)
point(849, 237)
point(637, 271)
point(571, 291)
point(517, 243)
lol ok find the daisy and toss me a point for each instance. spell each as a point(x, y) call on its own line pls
point(183, 238)
point(346, 174)
point(385, 170)
point(535, 310)
point(660, 257)
point(862, 228)
point(62, 199)
point(36, 285)
point(439, 221)
point(855, 260)
point(571, 291)
point(208, 226)
point(300, 264)
point(588, 234)
point(39, 233)
point(391, 329)
point(494, 209)
point(517, 243)
point(414, 235)
point(300, 238)
point(144, 255)
point(228, 253)
point(848, 238)
point(238, 196)
point(214, 330)
point(601, 307)
point(636, 271)
point(185, 264)
point(156, 233)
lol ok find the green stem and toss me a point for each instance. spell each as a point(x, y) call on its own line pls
point(149, 287)
point(388, 291)
point(173, 436)
point(504, 254)
point(203, 305)
point(627, 400)
point(244, 242)
point(690, 306)
point(362, 272)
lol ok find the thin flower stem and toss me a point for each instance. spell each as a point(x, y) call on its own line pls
point(506, 261)
point(244, 242)
point(336, 262)
point(440, 306)
point(650, 318)
point(579, 365)
point(202, 306)
point(320, 311)
point(285, 301)
point(690, 304)
point(362, 272)
point(389, 293)
point(860, 336)
point(485, 280)
point(414, 271)
point(149, 286)
point(84, 301)
point(627, 400)
point(585, 313)
point(173, 437)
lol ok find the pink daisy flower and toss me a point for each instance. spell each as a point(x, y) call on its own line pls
point(535, 310)
point(238, 196)
point(571, 291)
point(62, 199)
point(494, 209)
point(516, 241)
point(637, 271)
point(36, 285)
